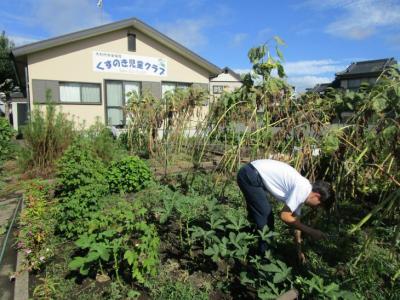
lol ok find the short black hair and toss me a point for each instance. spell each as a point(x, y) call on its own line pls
point(326, 192)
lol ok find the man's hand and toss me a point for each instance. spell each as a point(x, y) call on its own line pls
point(298, 240)
point(291, 219)
point(301, 257)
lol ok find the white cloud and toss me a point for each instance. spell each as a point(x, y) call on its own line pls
point(242, 71)
point(189, 32)
point(239, 38)
point(22, 40)
point(360, 18)
point(313, 67)
point(61, 16)
point(303, 82)
point(308, 73)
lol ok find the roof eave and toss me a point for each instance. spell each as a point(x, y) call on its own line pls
point(358, 75)
point(132, 22)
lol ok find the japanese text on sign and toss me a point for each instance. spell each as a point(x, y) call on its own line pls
point(122, 63)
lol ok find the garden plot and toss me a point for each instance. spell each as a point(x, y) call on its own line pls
point(150, 217)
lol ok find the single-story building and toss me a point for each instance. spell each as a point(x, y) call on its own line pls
point(89, 72)
point(226, 81)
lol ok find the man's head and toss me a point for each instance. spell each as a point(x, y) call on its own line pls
point(321, 195)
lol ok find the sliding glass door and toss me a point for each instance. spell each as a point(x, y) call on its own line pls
point(116, 99)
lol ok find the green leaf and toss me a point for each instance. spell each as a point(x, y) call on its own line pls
point(209, 251)
point(281, 71)
point(279, 277)
point(350, 106)
point(108, 233)
point(280, 55)
point(271, 268)
point(92, 256)
point(244, 279)
point(132, 294)
point(76, 263)
point(130, 256)
point(83, 242)
point(379, 103)
point(84, 271)
point(333, 287)
point(389, 132)
point(101, 248)
point(279, 41)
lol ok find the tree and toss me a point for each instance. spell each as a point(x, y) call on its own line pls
point(7, 74)
point(6, 67)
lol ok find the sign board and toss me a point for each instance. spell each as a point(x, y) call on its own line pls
point(123, 63)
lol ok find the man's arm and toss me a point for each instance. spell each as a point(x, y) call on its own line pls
point(290, 218)
point(298, 240)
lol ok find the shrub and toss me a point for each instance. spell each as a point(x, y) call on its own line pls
point(6, 133)
point(130, 174)
point(79, 167)
point(103, 144)
point(47, 136)
point(74, 210)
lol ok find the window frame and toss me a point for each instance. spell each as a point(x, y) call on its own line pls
point(189, 84)
point(81, 84)
point(131, 41)
point(106, 107)
point(222, 87)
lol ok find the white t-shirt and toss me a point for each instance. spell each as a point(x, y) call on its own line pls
point(284, 183)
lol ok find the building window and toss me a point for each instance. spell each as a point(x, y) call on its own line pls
point(218, 89)
point(131, 42)
point(172, 86)
point(73, 92)
point(117, 97)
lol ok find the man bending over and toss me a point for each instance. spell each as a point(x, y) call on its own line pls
point(257, 178)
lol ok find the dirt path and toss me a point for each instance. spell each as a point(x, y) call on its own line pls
point(8, 205)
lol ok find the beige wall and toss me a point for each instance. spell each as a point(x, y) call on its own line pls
point(73, 62)
point(226, 80)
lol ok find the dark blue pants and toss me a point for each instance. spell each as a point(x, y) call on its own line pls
point(258, 207)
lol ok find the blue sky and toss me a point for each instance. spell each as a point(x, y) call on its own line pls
point(322, 36)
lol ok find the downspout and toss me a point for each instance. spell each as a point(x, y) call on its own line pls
point(27, 90)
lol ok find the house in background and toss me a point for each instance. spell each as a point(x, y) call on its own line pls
point(226, 81)
point(89, 72)
point(357, 73)
point(319, 88)
point(362, 71)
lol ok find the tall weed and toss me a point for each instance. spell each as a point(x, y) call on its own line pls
point(47, 136)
